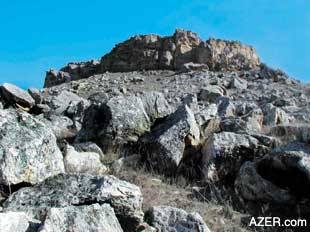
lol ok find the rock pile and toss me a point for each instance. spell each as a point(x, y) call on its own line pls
point(208, 111)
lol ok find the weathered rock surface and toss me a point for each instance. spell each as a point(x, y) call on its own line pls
point(14, 222)
point(28, 149)
point(163, 148)
point(83, 162)
point(153, 52)
point(78, 190)
point(81, 219)
point(223, 154)
point(254, 187)
point(15, 95)
point(165, 218)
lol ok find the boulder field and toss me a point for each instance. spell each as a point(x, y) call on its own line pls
point(207, 111)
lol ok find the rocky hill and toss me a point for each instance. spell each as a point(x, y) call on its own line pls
point(156, 111)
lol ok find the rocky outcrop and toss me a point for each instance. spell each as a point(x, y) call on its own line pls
point(165, 218)
point(181, 51)
point(78, 190)
point(28, 148)
point(81, 219)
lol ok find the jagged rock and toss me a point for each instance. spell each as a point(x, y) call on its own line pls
point(53, 77)
point(238, 83)
point(165, 218)
point(207, 120)
point(62, 101)
point(14, 222)
point(183, 50)
point(83, 162)
point(255, 188)
point(88, 147)
point(36, 95)
point(211, 93)
point(155, 105)
point(288, 166)
point(80, 70)
point(78, 190)
point(226, 107)
point(232, 55)
point(163, 148)
point(15, 95)
point(125, 120)
point(81, 219)
point(28, 149)
point(275, 115)
point(223, 154)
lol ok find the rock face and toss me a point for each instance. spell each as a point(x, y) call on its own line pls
point(80, 189)
point(28, 149)
point(81, 219)
point(15, 95)
point(153, 52)
point(224, 153)
point(165, 218)
point(164, 146)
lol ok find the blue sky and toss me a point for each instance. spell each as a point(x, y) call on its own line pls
point(41, 34)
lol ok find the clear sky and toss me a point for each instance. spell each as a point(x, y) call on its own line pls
point(40, 34)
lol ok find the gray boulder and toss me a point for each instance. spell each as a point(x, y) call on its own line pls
point(223, 154)
point(15, 95)
point(211, 93)
point(80, 189)
point(155, 105)
point(163, 148)
point(83, 162)
point(254, 187)
point(81, 219)
point(124, 120)
point(166, 218)
point(53, 77)
point(28, 149)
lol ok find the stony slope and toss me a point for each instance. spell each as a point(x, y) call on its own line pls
point(206, 111)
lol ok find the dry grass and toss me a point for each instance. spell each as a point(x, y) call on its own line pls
point(156, 191)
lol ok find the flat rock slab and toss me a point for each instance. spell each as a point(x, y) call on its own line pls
point(80, 189)
point(14, 94)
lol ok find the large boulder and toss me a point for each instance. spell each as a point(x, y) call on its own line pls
point(15, 95)
point(28, 149)
point(288, 166)
point(211, 93)
point(155, 105)
point(252, 186)
point(275, 115)
point(223, 154)
point(124, 120)
point(80, 189)
point(163, 148)
point(81, 219)
point(166, 218)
